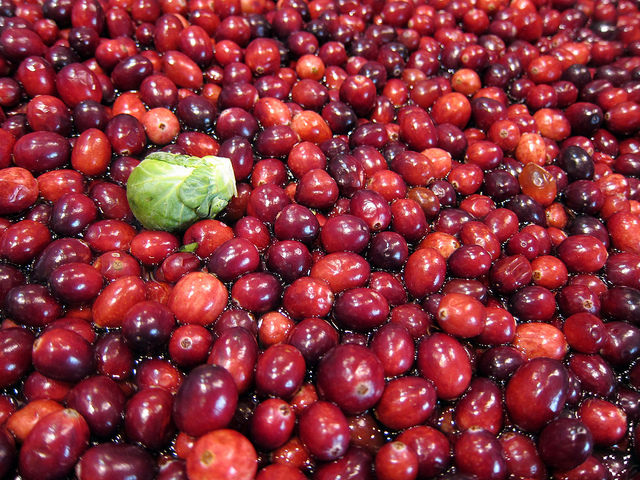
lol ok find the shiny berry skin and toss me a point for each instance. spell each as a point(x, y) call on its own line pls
point(359, 382)
point(205, 401)
point(324, 430)
point(443, 360)
point(565, 443)
point(478, 452)
point(541, 385)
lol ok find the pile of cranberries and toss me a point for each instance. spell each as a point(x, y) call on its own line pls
point(431, 268)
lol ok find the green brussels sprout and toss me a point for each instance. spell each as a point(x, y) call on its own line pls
point(171, 192)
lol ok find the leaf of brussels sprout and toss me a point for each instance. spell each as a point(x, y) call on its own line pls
point(171, 192)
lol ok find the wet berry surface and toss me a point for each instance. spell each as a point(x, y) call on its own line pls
point(431, 268)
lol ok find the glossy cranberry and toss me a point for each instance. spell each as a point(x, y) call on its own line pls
point(313, 337)
point(40, 453)
point(352, 232)
point(234, 258)
point(361, 309)
point(480, 407)
point(588, 225)
point(431, 446)
point(236, 350)
point(210, 391)
point(406, 402)
point(541, 384)
point(16, 345)
point(489, 460)
point(619, 302)
point(393, 345)
point(72, 213)
point(60, 252)
point(358, 384)
point(619, 269)
point(257, 292)
point(324, 430)
point(533, 303)
point(522, 455)
point(76, 283)
point(32, 305)
point(573, 252)
point(126, 135)
point(396, 460)
point(280, 371)
point(266, 201)
point(445, 350)
point(147, 326)
point(100, 401)
point(595, 413)
point(20, 43)
point(576, 163)
point(342, 271)
point(41, 151)
point(63, 355)
point(339, 116)
point(272, 423)
point(296, 222)
point(111, 460)
point(290, 259)
point(189, 345)
point(565, 443)
point(147, 418)
point(10, 277)
point(113, 357)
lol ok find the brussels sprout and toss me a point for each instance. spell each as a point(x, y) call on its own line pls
point(171, 192)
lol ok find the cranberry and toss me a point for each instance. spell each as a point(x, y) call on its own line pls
point(444, 350)
point(324, 430)
point(406, 402)
point(40, 453)
point(541, 385)
point(565, 443)
point(393, 345)
point(431, 446)
point(342, 270)
point(521, 455)
point(222, 452)
point(488, 457)
point(100, 401)
point(272, 423)
point(16, 343)
point(361, 309)
point(280, 370)
point(236, 350)
point(147, 418)
point(210, 391)
point(396, 460)
point(63, 355)
point(358, 384)
point(105, 460)
point(147, 325)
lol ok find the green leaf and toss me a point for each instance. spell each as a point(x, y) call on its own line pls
point(171, 192)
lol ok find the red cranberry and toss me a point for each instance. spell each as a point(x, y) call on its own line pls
point(565, 443)
point(442, 349)
point(483, 447)
point(210, 392)
point(536, 393)
point(406, 402)
point(324, 430)
point(101, 402)
point(358, 384)
point(105, 460)
point(431, 446)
